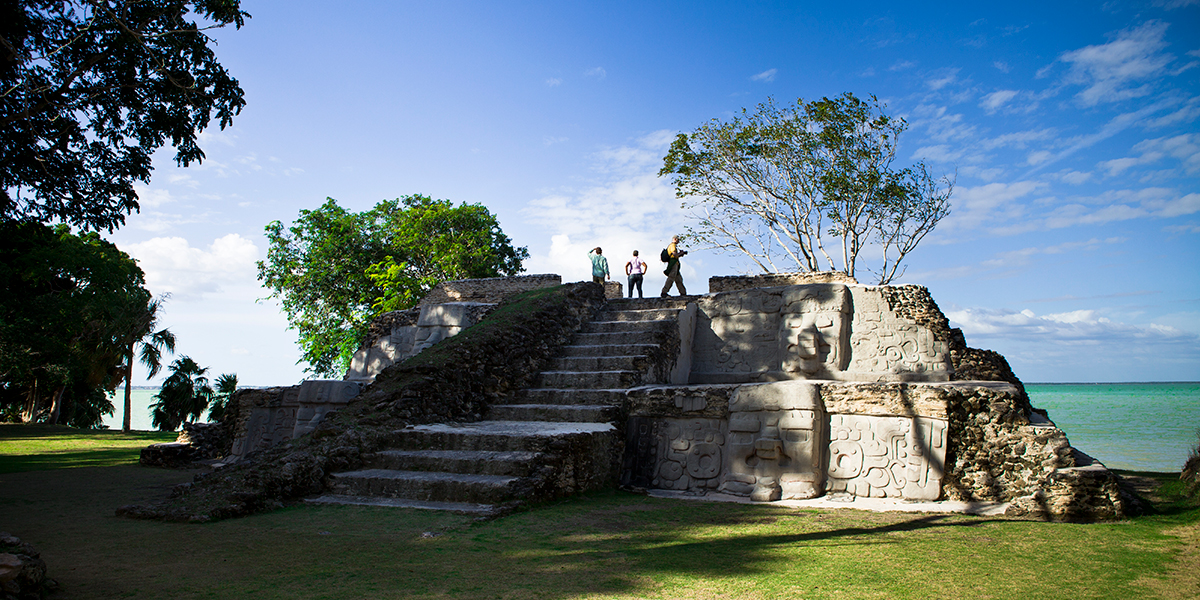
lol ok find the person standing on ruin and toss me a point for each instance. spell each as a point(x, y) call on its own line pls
point(673, 277)
point(599, 265)
point(634, 269)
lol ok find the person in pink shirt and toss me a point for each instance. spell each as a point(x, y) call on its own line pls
point(635, 268)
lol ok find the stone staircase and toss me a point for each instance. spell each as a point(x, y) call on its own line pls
point(558, 437)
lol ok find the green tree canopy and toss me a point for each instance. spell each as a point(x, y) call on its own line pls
point(779, 184)
point(89, 89)
point(69, 307)
point(333, 270)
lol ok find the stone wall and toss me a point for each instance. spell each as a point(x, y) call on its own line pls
point(812, 331)
point(489, 291)
point(965, 441)
point(434, 323)
point(746, 282)
point(266, 417)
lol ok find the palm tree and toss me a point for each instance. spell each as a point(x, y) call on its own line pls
point(226, 386)
point(152, 342)
point(185, 393)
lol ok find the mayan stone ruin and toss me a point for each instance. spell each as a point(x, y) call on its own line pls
point(773, 387)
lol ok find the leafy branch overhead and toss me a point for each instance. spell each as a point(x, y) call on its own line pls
point(89, 89)
point(333, 270)
point(807, 187)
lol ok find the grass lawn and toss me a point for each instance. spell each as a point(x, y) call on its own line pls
point(43, 447)
point(605, 545)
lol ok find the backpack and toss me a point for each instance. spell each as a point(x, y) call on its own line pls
point(665, 256)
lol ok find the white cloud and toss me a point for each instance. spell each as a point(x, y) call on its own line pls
point(597, 72)
point(1002, 66)
point(995, 100)
point(553, 81)
point(1074, 328)
point(990, 204)
point(1111, 72)
point(902, 65)
point(629, 207)
point(937, 153)
point(173, 266)
point(767, 76)
point(942, 80)
point(551, 140)
point(1075, 177)
point(152, 197)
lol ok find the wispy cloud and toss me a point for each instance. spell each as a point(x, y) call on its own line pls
point(993, 101)
point(766, 76)
point(597, 72)
point(1116, 71)
point(944, 78)
point(553, 82)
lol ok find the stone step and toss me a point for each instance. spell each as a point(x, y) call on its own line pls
point(504, 436)
point(623, 304)
point(615, 339)
point(635, 362)
point(512, 463)
point(607, 350)
point(582, 413)
point(458, 507)
point(566, 396)
point(424, 485)
point(653, 314)
point(589, 380)
point(626, 326)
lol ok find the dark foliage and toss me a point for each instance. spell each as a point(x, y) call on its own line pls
point(91, 88)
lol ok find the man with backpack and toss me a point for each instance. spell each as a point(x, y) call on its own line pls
point(670, 255)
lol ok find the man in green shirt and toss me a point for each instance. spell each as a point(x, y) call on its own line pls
point(599, 265)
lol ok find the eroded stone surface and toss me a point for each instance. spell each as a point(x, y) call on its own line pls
point(812, 331)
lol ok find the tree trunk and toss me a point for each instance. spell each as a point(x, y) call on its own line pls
point(128, 385)
point(56, 405)
point(31, 402)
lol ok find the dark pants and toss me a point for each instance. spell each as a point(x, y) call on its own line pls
point(598, 279)
point(635, 279)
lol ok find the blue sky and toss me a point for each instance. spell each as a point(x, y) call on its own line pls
point(1073, 247)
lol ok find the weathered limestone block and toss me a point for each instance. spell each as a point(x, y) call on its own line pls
point(886, 457)
point(319, 397)
point(22, 570)
point(885, 346)
point(268, 416)
point(771, 334)
point(169, 455)
point(689, 454)
point(742, 282)
point(488, 290)
point(434, 323)
point(775, 442)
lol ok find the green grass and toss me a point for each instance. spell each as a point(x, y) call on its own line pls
point(605, 545)
point(42, 447)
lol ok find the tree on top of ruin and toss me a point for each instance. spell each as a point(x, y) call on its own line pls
point(807, 187)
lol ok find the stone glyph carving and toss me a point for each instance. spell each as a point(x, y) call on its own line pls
point(883, 342)
point(775, 442)
point(892, 457)
point(772, 333)
point(689, 454)
point(814, 330)
point(811, 331)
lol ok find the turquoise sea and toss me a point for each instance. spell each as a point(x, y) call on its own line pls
point(1135, 426)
